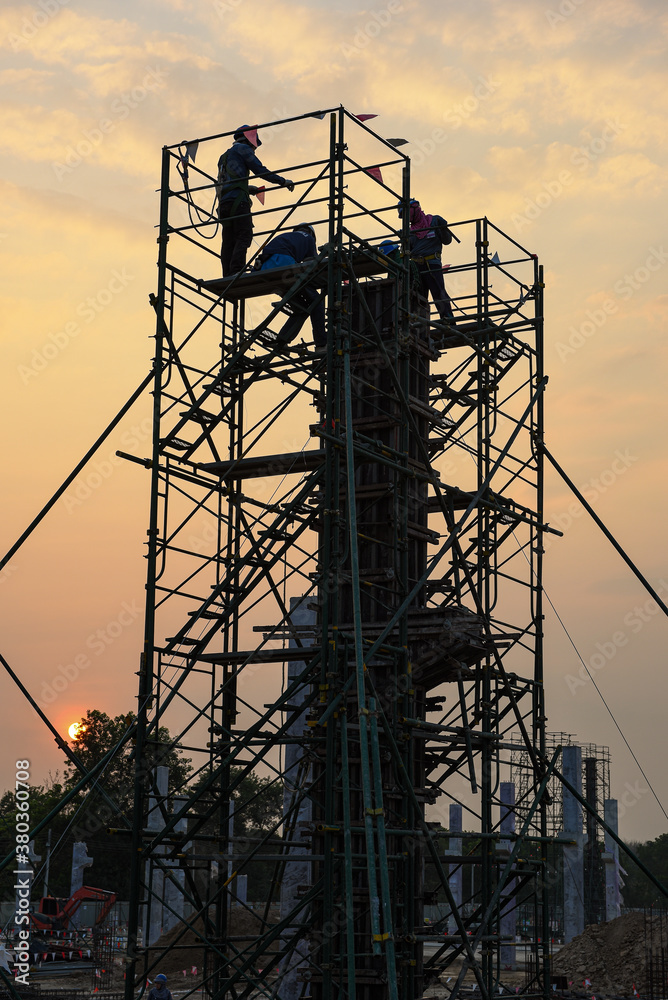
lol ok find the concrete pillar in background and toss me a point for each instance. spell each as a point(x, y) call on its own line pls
point(155, 822)
point(613, 898)
point(297, 773)
point(455, 870)
point(573, 853)
point(508, 903)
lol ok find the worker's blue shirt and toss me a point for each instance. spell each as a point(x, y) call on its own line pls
point(241, 162)
point(300, 246)
point(427, 242)
point(159, 992)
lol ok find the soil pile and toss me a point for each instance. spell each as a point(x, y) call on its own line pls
point(615, 956)
point(185, 951)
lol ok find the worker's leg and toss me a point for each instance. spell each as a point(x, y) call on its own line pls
point(317, 308)
point(432, 281)
point(237, 237)
point(243, 237)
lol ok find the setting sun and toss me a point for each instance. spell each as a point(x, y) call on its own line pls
point(74, 730)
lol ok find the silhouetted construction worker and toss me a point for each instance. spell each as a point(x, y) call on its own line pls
point(284, 251)
point(428, 233)
point(234, 204)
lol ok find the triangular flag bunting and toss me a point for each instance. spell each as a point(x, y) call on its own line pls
point(365, 118)
point(259, 194)
point(375, 173)
point(495, 258)
point(318, 114)
point(397, 142)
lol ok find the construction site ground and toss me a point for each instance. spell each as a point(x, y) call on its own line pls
point(607, 960)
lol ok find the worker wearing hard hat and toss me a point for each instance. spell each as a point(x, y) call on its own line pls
point(285, 250)
point(159, 991)
point(234, 206)
point(428, 234)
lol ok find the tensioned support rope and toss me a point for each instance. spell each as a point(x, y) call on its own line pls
point(77, 469)
point(608, 534)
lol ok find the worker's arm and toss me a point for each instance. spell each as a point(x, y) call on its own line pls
point(256, 167)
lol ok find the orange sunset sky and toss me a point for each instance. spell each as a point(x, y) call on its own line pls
point(547, 116)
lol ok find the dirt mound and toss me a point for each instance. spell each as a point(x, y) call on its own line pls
point(185, 950)
point(614, 956)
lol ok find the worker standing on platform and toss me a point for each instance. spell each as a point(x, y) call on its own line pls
point(428, 233)
point(234, 191)
point(285, 250)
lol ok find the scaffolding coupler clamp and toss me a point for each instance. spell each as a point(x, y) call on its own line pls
point(382, 937)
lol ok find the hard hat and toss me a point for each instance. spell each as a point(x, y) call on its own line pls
point(160, 978)
point(249, 133)
point(400, 204)
point(305, 226)
point(387, 246)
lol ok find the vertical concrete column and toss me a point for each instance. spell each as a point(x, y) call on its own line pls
point(573, 853)
point(455, 870)
point(80, 861)
point(174, 909)
point(508, 909)
point(297, 873)
point(155, 823)
point(613, 899)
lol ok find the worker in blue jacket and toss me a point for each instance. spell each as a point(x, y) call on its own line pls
point(285, 250)
point(234, 204)
point(428, 234)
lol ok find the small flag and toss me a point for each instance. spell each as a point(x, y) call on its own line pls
point(259, 194)
point(375, 173)
point(397, 142)
point(495, 258)
point(318, 114)
point(190, 152)
point(365, 118)
point(193, 970)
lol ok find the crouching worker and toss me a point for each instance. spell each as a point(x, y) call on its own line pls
point(428, 234)
point(284, 251)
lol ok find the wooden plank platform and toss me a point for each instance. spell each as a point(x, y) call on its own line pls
point(296, 462)
point(279, 279)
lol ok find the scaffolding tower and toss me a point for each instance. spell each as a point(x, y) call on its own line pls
point(343, 594)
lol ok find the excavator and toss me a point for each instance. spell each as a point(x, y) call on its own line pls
point(56, 914)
